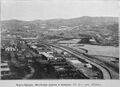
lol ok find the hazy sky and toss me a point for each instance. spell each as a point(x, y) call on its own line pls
point(49, 9)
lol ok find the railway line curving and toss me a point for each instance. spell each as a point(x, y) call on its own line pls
point(106, 73)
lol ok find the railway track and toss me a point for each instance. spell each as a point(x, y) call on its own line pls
point(111, 68)
point(98, 64)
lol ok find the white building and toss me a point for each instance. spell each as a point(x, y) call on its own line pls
point(10, 49)
point(49, 56)
point(4, 69)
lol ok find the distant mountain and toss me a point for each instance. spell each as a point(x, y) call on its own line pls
point(104, 29)
point(56, 23)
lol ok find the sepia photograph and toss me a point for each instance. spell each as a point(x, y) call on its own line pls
point(59, 40)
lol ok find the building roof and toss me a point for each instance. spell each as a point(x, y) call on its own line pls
point(3, 64)
point(75, 61)
point(5, 69)
point(47, 54)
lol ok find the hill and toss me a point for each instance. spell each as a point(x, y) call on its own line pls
point(104, 29)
